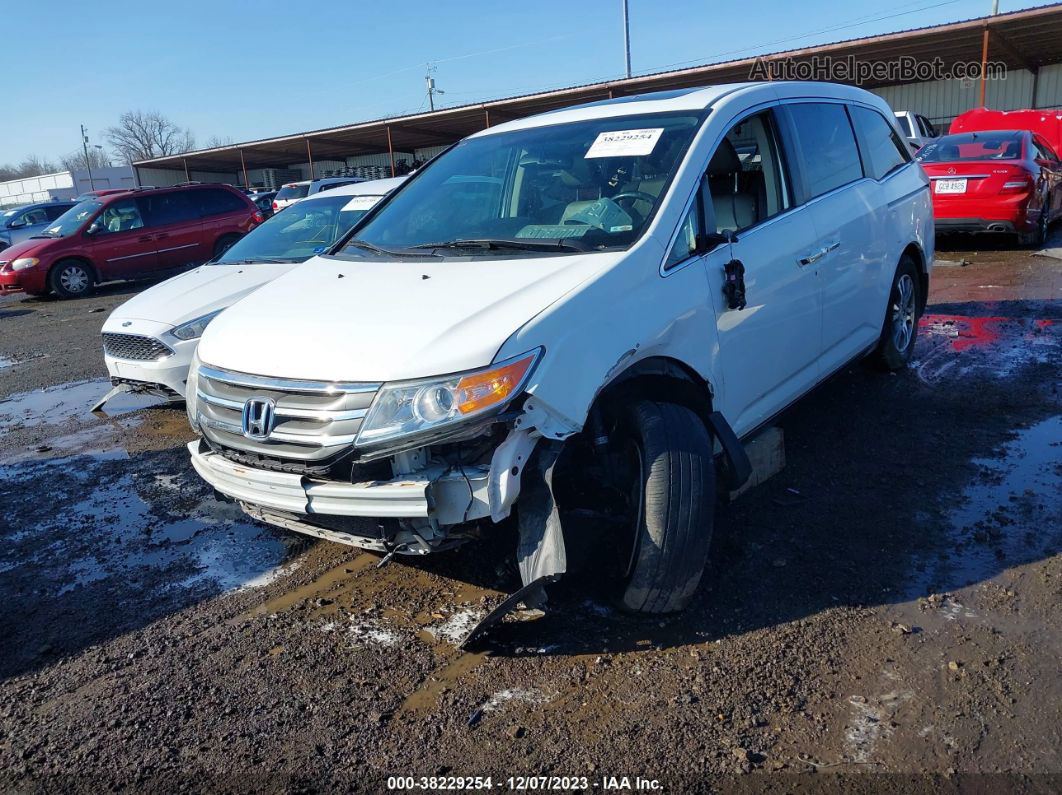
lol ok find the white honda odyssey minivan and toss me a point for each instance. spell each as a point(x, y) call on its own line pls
point(586, 309)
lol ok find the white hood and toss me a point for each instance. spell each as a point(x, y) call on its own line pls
point(371, 320)
point(195, 293)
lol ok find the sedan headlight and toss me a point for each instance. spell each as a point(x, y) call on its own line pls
point(409, 407)
point(194, 329)
point(23, 263)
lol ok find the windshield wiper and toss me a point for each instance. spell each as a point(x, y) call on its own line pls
point(378, 250)
point(545, 244)
point(43, 237)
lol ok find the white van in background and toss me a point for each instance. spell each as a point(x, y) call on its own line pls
point(570, 311)
point(296, 191)
point(149, 340)
point(917, 129)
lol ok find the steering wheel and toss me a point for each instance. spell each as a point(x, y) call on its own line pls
point(636, 195)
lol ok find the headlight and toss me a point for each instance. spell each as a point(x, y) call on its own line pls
point(24, 263)
point(194, 329)
point(408, 407)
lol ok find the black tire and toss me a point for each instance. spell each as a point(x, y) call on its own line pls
point(71, 278)
point(673, 505)
point(895, 349)
point(223, 244)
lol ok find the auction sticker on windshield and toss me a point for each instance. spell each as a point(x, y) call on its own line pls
point(361, 203)
point(625, 143)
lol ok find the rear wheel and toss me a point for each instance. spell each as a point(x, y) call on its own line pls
point(71, 279)
point(224, 244)
point(898, 333)
point(669, 473)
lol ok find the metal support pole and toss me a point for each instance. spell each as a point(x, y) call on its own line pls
point(486, 115)
point(88, 165)
point(627, 37)
point(1035, 86)
point(309, 154)
point(136, 176)
point(391, 151)
point(984, 65)
point(246, 182)
point(187, 173)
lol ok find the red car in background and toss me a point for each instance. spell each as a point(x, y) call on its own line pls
point(996, 181)
point(127, 235)
point(1045, 123)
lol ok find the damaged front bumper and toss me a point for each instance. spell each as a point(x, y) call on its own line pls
point(441, 496)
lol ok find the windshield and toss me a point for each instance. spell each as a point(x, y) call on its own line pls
point(586, 185)
point(290, 192)
point(972, 146)
point(302, 230)
point(73, 219)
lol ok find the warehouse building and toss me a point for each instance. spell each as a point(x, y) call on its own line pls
point(1028, 44)
point(63, 185)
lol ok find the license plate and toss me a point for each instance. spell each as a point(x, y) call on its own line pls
point(951, 186)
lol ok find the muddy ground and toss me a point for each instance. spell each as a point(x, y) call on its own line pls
point(883, 615)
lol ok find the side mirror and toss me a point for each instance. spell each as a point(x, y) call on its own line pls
point(711, 240)
point(93, 228)
point(18, 223)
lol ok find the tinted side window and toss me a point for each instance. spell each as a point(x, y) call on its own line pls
point(170, 208)
point(55, 212)
point(36, 216)
point(213, 201)
point(825, 146)
point(883, 151)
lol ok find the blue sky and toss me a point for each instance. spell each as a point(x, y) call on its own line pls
point(249, 70)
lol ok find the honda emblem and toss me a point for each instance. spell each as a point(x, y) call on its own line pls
point(259, 414)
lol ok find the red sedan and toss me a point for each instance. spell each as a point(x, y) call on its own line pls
point(995, 181)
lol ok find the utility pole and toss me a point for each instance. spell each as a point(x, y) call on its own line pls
point(88, 165)
point(432, 90)
point(627, 37)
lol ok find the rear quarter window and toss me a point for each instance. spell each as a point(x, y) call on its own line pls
point(214, 201)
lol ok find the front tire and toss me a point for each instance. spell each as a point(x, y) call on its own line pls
point(673, 504)
point(71, 279)
point(900, 329)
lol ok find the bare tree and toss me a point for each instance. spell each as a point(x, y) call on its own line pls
point(141, 135)
point(31, 166)
point(75, 161)
point(215, 141)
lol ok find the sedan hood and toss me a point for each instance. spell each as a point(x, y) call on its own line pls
point(371, 320)
point(198, 292)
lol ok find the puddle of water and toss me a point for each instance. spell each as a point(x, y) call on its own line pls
point(997, 347)
point(1010, 515)
point(57, 404)
point(328, 581)
point(116, 531)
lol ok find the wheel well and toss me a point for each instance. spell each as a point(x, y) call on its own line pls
point(915, 252)
point(92, 268)
point(227, 236)
point(657, 378)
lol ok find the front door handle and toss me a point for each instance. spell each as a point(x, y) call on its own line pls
point(161, 236)
point(815, 256)
point(144, 239)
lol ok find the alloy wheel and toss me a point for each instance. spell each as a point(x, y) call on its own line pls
point(903, 313)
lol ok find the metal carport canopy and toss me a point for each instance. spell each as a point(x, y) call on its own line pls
point(1025, 39)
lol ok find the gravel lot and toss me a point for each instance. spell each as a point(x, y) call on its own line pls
point(883, 615)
